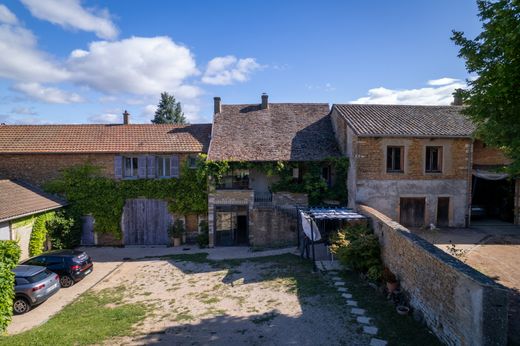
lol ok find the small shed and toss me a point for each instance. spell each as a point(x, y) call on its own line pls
point(18, 202)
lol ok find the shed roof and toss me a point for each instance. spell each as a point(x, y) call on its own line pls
point(406, 120)
point(18, 200)
point(98, 138)
point(283, 132)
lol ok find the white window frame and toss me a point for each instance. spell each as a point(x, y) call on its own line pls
point(160, 160)
point(134, 170)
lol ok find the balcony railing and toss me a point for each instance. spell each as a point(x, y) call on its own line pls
point(263, 198)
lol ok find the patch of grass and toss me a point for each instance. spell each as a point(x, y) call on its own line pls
point(264, 318)
point(212, 311)
point(184, 316)
point(210, 300)
point(86, 321)
point(397, 329)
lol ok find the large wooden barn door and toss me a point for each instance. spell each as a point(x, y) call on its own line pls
point(412, 212)
point(146, 222)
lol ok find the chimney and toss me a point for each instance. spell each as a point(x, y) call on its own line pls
point(217, 106)
point(457, 98)
point(126, 119)
point(265, 101)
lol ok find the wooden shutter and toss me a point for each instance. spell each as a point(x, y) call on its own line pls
point(174, 166)
point(150, 166)
point(141, 166)
point(118, 166)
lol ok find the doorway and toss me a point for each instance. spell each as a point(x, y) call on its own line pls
point(231, 226)
point(412, 211)
point(492, 199)
point(443, 211)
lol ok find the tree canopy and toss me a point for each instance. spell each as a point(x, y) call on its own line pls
point(169, 111)
point(493, 57)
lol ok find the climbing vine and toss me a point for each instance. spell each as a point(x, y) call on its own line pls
point(39, 233)
point(89, 192)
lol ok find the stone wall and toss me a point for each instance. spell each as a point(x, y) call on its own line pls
point(290, 199)
point(272, 227)
point(460, 305)
point(40, 168)
point(488, 156)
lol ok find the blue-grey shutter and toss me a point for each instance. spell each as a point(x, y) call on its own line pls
point(118, 167)
point(174, 166)
point(141, 166)
point(150, 166)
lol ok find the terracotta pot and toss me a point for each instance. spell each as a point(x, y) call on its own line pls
point(392, 286)
point(176, 241)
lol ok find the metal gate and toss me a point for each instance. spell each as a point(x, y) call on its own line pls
point(146, 222)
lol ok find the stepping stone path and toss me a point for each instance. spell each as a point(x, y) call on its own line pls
point(332, 267)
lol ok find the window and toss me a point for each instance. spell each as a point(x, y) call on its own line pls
point(235, 179)
point(433, 160)
point(130, 167)
point(192, 161)
point(394, 159)
point(163, 167)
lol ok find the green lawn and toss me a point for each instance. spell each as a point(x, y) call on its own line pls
point(87, 321)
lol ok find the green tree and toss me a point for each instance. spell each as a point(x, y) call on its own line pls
point(169, 111)
point(493, 97)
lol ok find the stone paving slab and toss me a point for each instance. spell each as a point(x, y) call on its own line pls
point(370, 330)
point(351, 303)
point(358, 311)
point(363, 320)
point(378, 342)
point(347, 295)
point(342, 289)
point(339, 283)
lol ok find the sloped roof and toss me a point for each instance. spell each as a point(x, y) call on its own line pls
point(283, 132)
point(104, 138)
point(18, 200)
point(406, 121)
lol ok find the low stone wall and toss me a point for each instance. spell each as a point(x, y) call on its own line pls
point(460, 305)
point(290, 198)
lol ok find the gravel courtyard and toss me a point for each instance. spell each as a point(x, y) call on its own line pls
point(261, 301)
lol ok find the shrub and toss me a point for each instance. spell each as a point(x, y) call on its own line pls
point(177, 229)
point(39, 234)
point(358, 247)
point(9, 257)
point(203, 237)
point(64, 230)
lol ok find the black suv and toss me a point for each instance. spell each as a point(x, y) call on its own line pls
point(70, 265)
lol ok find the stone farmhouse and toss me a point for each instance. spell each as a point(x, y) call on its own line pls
point(417, 164)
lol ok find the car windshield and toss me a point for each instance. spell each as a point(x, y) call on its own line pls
point(39, 276)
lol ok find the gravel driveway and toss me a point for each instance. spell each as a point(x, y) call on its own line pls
point(262, 301)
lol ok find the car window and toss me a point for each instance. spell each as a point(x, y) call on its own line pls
point(39, 276)
point(37, 261)
point(54, 260)
point(21, 281)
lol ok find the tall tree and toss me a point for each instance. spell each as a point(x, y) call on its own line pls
point(169, 111)
point(493, 97)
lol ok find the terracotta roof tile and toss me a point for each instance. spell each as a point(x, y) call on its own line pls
point(104, 138)
point(18, 199)
point(406, 121)
point(283, 132)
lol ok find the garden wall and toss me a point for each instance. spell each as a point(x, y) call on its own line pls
point(460, 305)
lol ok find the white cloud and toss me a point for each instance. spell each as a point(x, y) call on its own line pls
point(70, 14)
point(137, 65)
point(106, 118)
point(47, 94)
point(6, 16)
point(21, 60)
point(24, 110)
point(440, 95)
point(443, 81)
point(226, 70)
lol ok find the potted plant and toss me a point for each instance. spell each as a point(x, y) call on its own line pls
point(175, 232)
point(391, 281)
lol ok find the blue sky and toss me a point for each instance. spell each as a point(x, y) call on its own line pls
point(71, 61)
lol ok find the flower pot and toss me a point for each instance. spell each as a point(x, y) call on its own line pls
point(176, 241)
point(392, 286)
point(402, 310)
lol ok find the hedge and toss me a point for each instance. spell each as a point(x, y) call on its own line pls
point(9, 257)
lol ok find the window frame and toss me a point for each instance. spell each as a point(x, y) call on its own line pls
point(134, 168)
point(390, 150)
point(428, 159)
point(162, 159)
point(192, 161)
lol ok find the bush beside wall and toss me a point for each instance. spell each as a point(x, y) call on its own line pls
point(9, 257)
point(39, 234)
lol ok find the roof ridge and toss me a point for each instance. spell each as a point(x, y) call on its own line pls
point(393, 105)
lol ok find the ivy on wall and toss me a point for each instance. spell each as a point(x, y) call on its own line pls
point(39, 233)
point(9, 257)
point(88, 192)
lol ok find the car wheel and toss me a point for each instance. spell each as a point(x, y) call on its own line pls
point(21, 305)
point(66, 281)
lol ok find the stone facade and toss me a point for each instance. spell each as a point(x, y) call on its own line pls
point(369, 182)
point(488, 156)
point(40, 168)
point(460, 305)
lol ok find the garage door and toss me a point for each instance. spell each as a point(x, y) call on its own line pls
point(146, 222)
point(412, 212)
